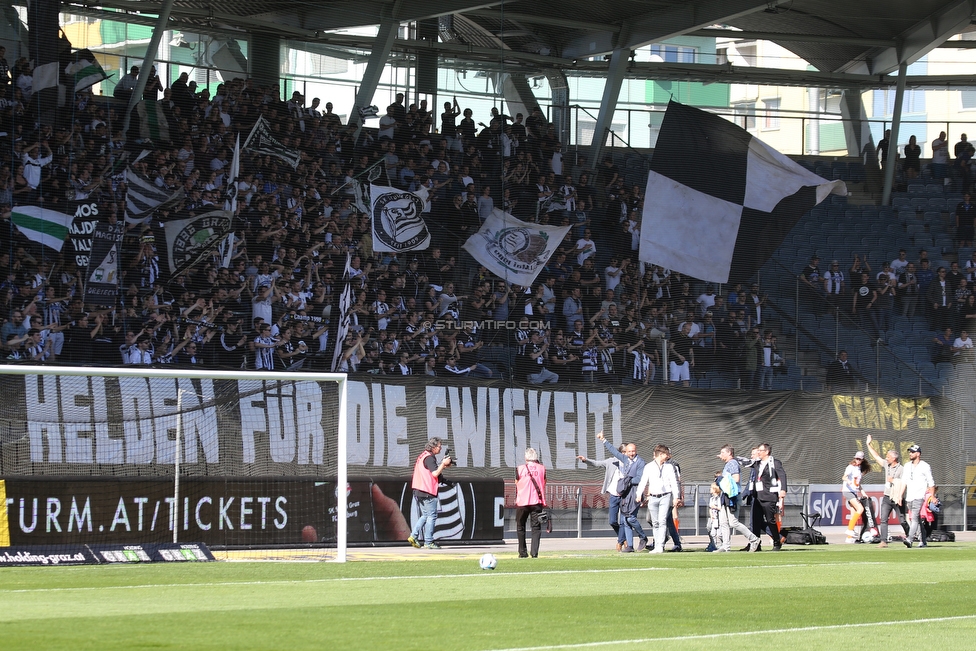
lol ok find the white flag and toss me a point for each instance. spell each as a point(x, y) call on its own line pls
point(398, 222)
point(513, 249)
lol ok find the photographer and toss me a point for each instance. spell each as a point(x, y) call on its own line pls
point(530, 500)
point(426, 477)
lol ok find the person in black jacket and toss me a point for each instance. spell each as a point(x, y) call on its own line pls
point(769, 493)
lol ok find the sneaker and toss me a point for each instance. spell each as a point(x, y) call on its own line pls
point(625, 548)
point(755, 545)
point(656, 550)
point(413, 542)
point(432, 546)
point(908, 543)
point(923, 545)
point(746, 548)
point(777, 548)
point(675, 549)
point(641, 544)
point(720, 550)
point(882, 544)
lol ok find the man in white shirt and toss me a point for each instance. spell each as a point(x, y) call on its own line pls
point(585, 247)
point(33, 162)
point(919, 486)
point(898, 265)
point(706, 301)
point(662, 491)
point(962, 348)
point(940, 156)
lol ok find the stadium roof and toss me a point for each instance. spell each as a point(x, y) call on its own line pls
point(848, 43)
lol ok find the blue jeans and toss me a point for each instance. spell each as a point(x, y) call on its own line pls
point(427, 519)
point(633, 528)
point(615, 518)
point(766, 378)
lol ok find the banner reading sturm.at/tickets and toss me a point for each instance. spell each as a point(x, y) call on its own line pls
point(127, 427)
point(236, 512)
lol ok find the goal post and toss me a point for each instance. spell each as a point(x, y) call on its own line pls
point(230, 434)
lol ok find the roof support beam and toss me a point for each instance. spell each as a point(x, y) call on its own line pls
point(892, 154)
point(779, 37)
point(549, 21)
point(148, 62)
point(678, 19)
point(918, 40)
point(608, 105)
point(374, 69)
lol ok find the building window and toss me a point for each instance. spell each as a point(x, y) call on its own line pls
point(771, 114)
point(968, 98)
point(745, 115)
point(883, 101)
point(675, 53)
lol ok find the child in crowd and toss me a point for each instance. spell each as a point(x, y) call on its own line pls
point(715, 531)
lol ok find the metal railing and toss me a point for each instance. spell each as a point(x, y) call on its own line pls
point(956, 499)
point(809, 304)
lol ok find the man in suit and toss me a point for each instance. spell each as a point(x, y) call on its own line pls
point(769, 494)
point(631, 468)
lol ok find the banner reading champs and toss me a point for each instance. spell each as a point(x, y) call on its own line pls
point(126, 427)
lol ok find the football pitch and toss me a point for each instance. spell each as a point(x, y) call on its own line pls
point(831, 597)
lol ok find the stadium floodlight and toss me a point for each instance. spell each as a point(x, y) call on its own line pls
point(119, 425)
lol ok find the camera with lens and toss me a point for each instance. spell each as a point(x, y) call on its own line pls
point(449, 453)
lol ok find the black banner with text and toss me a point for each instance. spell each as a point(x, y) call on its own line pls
point(126, 427)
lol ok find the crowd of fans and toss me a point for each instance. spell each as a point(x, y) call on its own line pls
point(595, 313)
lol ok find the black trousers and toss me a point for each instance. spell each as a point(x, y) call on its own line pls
point(765, 517)
point(522, 514)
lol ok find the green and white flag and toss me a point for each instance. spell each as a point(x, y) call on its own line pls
point(152, 121)
point(85, 70)
point(48, 227)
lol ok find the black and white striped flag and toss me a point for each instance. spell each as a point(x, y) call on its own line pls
point(261, 140)
point(719, 201)
point(143, 197)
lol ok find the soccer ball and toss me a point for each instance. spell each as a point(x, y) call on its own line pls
point(488, 562)
point(870, 536)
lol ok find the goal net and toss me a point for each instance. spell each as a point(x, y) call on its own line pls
point(119, 457)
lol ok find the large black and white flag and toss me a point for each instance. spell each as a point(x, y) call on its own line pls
point(102, 286)
point(340, 318)
point(398, 220)
point(719, 201)
point(261, 140)
point(143, 197)
point(189, 240)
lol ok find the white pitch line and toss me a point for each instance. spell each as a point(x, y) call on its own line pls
point(423, 577)
point(712, 636)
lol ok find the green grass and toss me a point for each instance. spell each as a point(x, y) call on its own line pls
point(841, 596)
